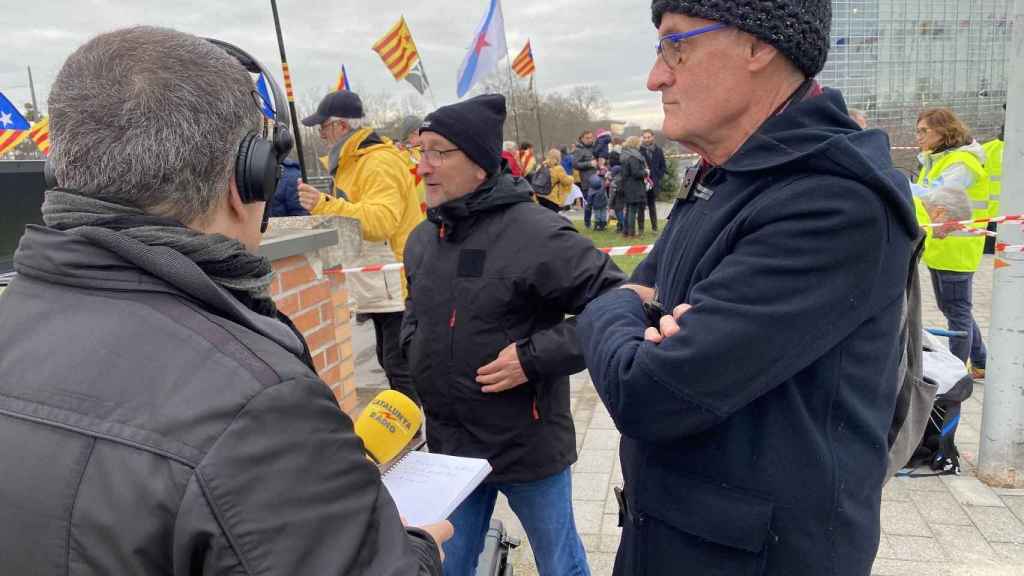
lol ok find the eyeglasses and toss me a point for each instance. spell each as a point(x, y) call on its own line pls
point(670, 46)
point(329, 123)
point(436, 157)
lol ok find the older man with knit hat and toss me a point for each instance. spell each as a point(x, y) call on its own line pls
point(492, 276)
point(755, 410)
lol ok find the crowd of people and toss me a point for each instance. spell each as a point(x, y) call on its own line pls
point(751, 362)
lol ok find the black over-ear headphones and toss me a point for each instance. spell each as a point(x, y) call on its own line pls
point(258, 163)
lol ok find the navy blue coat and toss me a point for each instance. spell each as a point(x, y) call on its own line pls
point(286, 197)
point(754, 440)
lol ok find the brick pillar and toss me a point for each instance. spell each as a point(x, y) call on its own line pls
point(311, 301)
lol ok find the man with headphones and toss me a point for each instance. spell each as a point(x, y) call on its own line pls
point(158, 415)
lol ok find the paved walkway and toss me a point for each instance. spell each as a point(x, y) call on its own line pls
point(930, 526)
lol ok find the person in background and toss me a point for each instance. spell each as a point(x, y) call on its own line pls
point(374, 185)
point(951, 159)
point(493, 282)
point(655, 158)
point(560, 183)
point(859, 117)
point(508, 153)
point(585, 164)
point(633, 187)
point(617, 199)
point(409, 143)
point(286, 197)
point(527, 162)
point(994, 167)
point(602, 144)
point(599, 199)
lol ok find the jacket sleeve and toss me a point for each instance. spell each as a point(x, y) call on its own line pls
point(658, 164)
point(292, 205)
point(380, 204)
point(286, 489)
point(646, 273)
point(579, 164)
point(410, 322)
point(570, 274)
point(790, 289)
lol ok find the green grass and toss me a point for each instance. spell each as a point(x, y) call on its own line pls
point(610, 237)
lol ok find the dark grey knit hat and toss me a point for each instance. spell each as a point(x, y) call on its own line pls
point(797, 28)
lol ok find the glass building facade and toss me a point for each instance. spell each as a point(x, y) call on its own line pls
point(895, 58)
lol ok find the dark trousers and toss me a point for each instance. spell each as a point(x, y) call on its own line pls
point(388, 326)
point(634, 216)
point(588, 212)
point(652, 207)
point(953, 295)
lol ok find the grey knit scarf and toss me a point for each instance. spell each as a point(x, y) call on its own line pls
point(225, 260)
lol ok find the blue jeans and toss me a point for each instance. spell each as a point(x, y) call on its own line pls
point(545, 509)
point(587, 212)
point(953, 294)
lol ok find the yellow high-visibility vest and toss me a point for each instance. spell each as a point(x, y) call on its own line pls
point(960, 251)
point(994, 166)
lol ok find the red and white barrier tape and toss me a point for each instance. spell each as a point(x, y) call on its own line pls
point(1000, 247)
point(628, 250)
point(374, 268)
point(996, 220)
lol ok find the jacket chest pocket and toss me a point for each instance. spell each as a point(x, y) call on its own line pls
point(478, 323)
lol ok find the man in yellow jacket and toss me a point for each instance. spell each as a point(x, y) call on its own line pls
point(374, 185)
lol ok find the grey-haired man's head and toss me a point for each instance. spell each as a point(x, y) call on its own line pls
point(151, 118)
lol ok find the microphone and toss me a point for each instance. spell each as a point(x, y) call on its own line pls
point(387, 424)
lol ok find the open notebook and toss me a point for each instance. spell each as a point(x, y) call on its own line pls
point(428, 487)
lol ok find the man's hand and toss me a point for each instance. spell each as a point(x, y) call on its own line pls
point(505, 373)
point(646, 294)
point(441, 532)
point(308, 195)
point(669, 325)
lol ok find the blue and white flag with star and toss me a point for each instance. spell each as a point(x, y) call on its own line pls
point(10, 118)
point(487, 49)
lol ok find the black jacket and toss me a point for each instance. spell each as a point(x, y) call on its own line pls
point(755, 439)
point(286, 198)
point(634, 172)
point(151, 424)
point(655, 158)
point(585, 161)
point(487, 270)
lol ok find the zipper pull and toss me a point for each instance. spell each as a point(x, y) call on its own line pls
point(451, 321)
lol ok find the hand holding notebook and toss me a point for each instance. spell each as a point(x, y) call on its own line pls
point(427, 488)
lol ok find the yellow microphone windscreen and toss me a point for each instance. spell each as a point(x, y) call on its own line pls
point(387, 424)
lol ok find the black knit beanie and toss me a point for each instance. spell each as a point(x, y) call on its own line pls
point(797, 28)
point(474, 126)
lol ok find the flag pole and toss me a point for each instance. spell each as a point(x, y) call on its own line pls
point(512, 95)
point(296, 131)
point(536, 111)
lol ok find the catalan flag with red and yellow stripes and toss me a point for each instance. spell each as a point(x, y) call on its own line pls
point(523, 65)
point(397, 50)
point(40, 134)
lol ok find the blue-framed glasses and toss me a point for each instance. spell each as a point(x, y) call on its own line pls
point(670, 46)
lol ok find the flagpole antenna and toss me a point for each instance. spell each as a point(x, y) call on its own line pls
point(536, 111)
point(512, 96)
point(32, 88)
point(296, 130)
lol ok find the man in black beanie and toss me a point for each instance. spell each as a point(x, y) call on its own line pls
point(492, 276)
point(755, 410)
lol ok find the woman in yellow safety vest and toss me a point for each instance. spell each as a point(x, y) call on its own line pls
point(953, 161)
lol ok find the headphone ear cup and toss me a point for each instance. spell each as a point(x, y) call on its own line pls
point(256, 169)
point(242, 167)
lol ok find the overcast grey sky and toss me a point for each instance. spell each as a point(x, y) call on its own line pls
point(608, 43)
